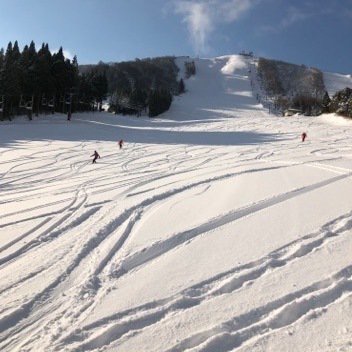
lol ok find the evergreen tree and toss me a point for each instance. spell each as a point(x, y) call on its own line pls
point(2, 58)
point(326, 102)
point(39, 76)
point(99, 87)
point(190, 68)
point(181, 86)
point(159, 102)
point(28, 76)
point(341, 102)
point(10, 78)
point(58, 69)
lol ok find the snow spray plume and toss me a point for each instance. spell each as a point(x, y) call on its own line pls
point(198, 20)
point(202, 17)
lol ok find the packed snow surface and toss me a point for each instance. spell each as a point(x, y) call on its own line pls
point(214, 228)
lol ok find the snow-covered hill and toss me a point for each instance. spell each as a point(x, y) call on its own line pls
point(336, 81)
point(214, 228)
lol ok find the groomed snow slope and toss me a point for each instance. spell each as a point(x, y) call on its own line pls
point(213, 229)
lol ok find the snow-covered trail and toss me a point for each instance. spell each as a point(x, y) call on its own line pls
point(213, 229)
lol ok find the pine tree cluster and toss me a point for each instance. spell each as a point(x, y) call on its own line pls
point(325, 104)
point(341, 102)
point(269, 76)
point(159, 102)
point(41, 81)
point(292, 86)
point(136, 86)
point(181, 87)
point(190, 69)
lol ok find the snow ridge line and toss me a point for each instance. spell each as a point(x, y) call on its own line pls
point(13, 318)
point(115, 248)
point(6, 322)
point(73, 201)
point(161, 175)
point(48, 234)
point(114, 224)
point(162, 196)
point(212, 179)
point(224, 283)
point(29, 232)
point(34, 156)
point(92, 284)
point(160, 248)
point(21, 164)
point(274, 315)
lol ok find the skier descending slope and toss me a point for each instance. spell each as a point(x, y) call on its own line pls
point(120, 143)
point(304, 136)
point(96, 156)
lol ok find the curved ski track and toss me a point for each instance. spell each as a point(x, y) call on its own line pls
point(80, 220)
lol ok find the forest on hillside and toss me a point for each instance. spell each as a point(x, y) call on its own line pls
point(290, 85)
point(143, 85)
point(39, 81)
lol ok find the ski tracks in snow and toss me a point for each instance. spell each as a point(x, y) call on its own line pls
point(75, 226)
point(114, 327)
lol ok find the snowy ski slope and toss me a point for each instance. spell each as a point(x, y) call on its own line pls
point(213, 229)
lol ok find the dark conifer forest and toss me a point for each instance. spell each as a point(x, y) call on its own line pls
point(141, 86)
point(38, 81)
point(34, 82)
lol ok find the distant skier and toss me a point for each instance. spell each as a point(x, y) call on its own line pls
point(120, 143)
point(304, 136)
point(96, 156)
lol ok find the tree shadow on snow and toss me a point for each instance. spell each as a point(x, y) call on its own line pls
point(95, 131)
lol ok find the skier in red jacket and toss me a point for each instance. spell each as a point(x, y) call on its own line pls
point(120, 143)
point(96, 156)
point(304, 136)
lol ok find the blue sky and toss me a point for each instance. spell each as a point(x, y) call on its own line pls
point(312, 32)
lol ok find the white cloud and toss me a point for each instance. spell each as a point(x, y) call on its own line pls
point(231, 11)
point(294, 15)
point(202, 17)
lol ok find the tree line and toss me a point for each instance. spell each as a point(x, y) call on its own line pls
point(340, 103)
point(39, 81)
point(302, 88)
point(292, 86)
point(143, 86)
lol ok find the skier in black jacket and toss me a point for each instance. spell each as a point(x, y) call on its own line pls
point(96, 156)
